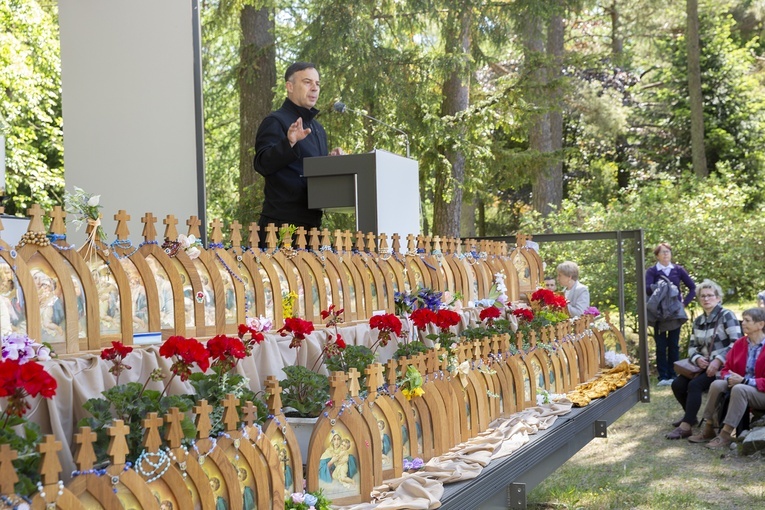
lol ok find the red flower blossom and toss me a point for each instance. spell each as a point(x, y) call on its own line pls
point(446, 319)
point(186, 351)
point(490, 313)
point(340, 342)
point(549, 298)
point(17, 381)
point(387, 323)
point(299, 329)
point(117, 350)
point(225, 351)
point(422, 317)
point(524, 314)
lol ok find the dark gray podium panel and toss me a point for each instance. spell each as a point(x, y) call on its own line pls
point(382, 188)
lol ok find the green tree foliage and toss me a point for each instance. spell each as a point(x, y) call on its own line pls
point(30, 105)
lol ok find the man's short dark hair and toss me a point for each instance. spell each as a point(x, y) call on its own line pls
point(297, 67)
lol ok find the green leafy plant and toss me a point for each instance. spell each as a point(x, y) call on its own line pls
point(304, 392)
point(353, 356)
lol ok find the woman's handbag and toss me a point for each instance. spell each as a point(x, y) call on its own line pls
point(687, 369)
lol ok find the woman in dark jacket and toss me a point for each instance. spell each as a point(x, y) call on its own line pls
point(667, 342)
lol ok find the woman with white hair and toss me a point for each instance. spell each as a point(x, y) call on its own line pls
point(577, 294)
point(713, 334)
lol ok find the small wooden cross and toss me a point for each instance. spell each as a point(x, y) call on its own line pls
point(339, 245)
point(371, 245)
point(325, 240)
point(202, 410)
point(249, 414)
point(274, 398)
point(174, 430)
point(122, 231)
point(86, 456)
point(151, 438)
point(235, 232)
point(301, 239)
point(411, 243)
point(360, 241)
point(50, 467)
point(353, 382)
point(396, 243)
point(118, 448)
point(194, 223)
point(347, 241)
point(35, 223)
point(390, 372)
point(271, 237)
point(8, 476)
point(338, 388)
point(230, 415)
point(253, 238)
point(374, 378)
point(58, 223)
point(313, 239)
point(216, 232)
point(149, 231)
point(171, 232)
point(436, 244)
point(383, 242)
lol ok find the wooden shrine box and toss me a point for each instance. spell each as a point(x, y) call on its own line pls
point(382, 188)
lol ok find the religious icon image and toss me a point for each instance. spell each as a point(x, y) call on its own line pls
point(338, 466)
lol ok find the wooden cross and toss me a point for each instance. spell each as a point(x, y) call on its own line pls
point(274, 395)
point(432, 361)
point(411, 243)
point(347, 241)
point(339, 245)
point(58, 223)
point(249, 414)
point(151, 438)
point(230, 416)
point(353, 379)
point(149, 231)
point(235, 232)
point(532, 338)
point(171, 232)
point(301, 239)
point(86, 456)
point(371, 245)
point(254, 238)
point(390, 372)
point(519, 340)
point(8, 476)
point(383, 243)
point(396, 243)
point(325, 240)
point(194, 223)
point(203, 419)
point(216, 232)
point(174, 429)
point(436, 244)
point(313, 239)
point(360, 241)
point(271, 238)
point(122, 231)
point(35, 223)
point(50, 467)
point(338, 388)
point(374, 378)
point(118, 447)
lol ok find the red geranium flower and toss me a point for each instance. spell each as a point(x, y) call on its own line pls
point(18, 381)
point(299, 329)
point(446, 319)
point(387, 323)
point(490, 313)
point(422, 317)
point(116, 354)
point(524, 314)
point(186, 351)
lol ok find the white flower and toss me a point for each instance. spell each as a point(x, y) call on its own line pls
point(193, 252)
point(184, 241)
point(93, 201)
point(259, 323)
point(43, 354)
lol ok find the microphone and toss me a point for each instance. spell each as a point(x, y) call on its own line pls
point(340, 107)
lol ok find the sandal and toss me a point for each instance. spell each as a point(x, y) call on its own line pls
point(679, 433)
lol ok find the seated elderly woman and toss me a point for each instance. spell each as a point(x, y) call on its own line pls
point(743, 375)
point(713, 334)
point(577, 294)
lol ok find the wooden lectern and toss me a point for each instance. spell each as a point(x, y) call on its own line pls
point(382, 188)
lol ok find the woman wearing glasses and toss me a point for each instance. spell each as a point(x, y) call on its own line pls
point(714, 332)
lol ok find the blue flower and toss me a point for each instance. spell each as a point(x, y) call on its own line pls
point(310, 499)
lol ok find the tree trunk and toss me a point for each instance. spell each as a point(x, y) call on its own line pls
point(617, 57)
point(554, 76)
point(694, 90)
point(257, 78)
point(449, 181)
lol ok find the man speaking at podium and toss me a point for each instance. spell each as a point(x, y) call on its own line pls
point(284, 138)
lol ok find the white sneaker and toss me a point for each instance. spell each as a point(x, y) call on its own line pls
point(665, 382)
